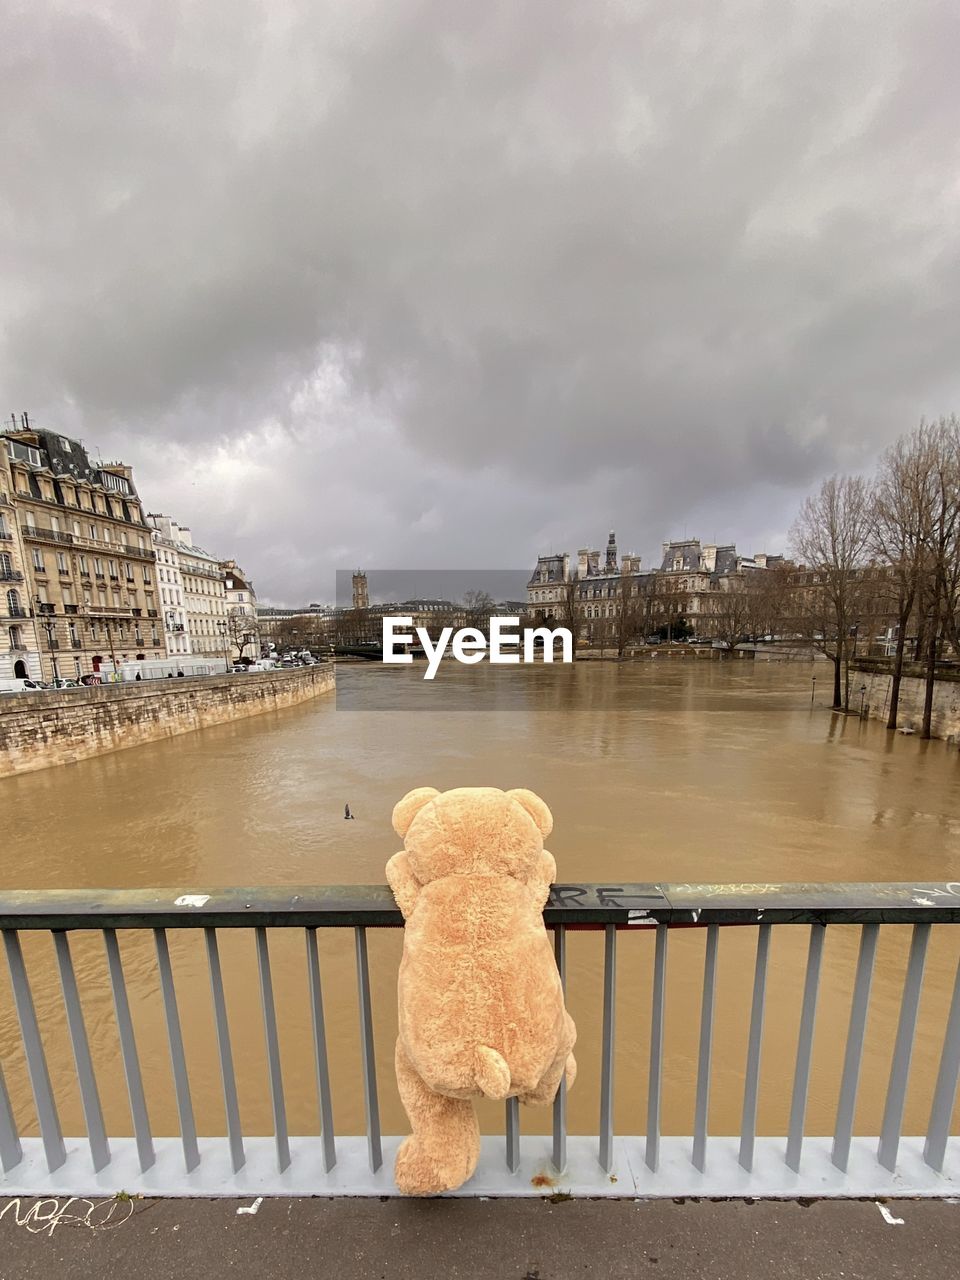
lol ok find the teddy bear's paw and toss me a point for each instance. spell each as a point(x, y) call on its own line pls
point(570, 1070)
point(417, 1174)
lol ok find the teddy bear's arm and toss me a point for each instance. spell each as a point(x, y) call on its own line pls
point(543, 876)
point(403, 882)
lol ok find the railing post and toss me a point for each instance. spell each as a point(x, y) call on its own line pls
point(228, 1078)
point(178, 1061)
point(11, 1152)
point(751, 1088)
point(560, 1102)
point(86, 1079)
point(128, 1052)
point(606, 1062)
point(656, 1049)
point(371, 1101)
point(275, 1072)
point(327, 1138)
point(945, 1092)
point(903, 1049)
point(700, 1123)
point(37, 1069)
point(853, 1054)
point(808, 1017)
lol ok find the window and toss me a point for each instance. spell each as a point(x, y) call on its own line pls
point(62, 566)
point(66, 445)
point(6, 564)
point(93, 533)
point(106, 533)
point(54, 524)
point(82, 561)
point(38, 563)
point(13, 604)
point(147, 579)
point(16, 638)
point(98, 566)
point(74, 638)
point(112, 565)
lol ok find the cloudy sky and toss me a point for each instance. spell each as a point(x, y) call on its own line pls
point(388, 283)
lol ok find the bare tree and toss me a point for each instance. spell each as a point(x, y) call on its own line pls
point(478, 608)
point(242, 630)
point(900, 508)
point(942, 543)
point(732, 610)
point(629, 617)
point(831, 536)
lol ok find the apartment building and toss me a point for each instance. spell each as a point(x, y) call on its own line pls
point(19, 643)
point(88, 561)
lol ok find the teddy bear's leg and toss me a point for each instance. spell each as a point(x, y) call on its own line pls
point(442, 1152)
point(564, 1066)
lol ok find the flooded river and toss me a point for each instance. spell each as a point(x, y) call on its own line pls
point(686, 772)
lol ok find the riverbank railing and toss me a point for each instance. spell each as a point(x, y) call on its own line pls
point(194, 1163)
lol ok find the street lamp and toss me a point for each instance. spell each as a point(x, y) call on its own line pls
point(863, 694)
point(813, 689)
point(50, 628)
point(222, 629)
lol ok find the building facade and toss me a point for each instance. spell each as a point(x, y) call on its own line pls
point(86, 556)
point(170, 585)
point(19, 634)
point(205, 599)
point(242, 622)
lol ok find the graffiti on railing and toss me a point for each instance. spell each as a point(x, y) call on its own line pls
point(43, 1216)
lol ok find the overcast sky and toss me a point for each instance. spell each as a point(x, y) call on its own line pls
point(383, 283)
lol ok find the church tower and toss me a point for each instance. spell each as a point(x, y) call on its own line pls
point(361, 598)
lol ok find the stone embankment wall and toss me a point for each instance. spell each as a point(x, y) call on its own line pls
point(945, 721)
point(38, 730)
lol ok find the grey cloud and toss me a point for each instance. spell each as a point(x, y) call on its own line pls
point(572, 267)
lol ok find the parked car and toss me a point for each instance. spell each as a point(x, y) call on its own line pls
point(20, 684)
point(62, 682)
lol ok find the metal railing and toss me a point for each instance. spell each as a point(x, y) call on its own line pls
point(794, 1163)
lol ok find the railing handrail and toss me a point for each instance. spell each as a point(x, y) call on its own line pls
point(625, 906)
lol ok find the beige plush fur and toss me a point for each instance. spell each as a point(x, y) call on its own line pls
point(481, 1006)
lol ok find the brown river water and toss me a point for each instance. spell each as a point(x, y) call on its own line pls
point(654, 772)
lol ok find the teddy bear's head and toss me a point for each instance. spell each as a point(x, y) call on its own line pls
point(472, 830)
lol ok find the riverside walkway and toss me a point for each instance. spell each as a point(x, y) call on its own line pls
point(391, 1239)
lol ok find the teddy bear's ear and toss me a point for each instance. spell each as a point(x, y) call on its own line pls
point(536, 808)
point(407, 809)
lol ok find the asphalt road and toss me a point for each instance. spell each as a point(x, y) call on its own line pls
point(459, 1239)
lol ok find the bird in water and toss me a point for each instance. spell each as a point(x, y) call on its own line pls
point(346, 812)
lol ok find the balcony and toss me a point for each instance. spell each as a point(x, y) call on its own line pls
point(52, 643)
point(5, 537)
point(18, 646)
point(137, 613)
point(45, 608)
point(11, 575)
point(37, 534)
point(153, 613)
point(114, 611)
point(71, 608)
point(114, 577)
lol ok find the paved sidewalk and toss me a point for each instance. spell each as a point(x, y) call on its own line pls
point(463, 1239)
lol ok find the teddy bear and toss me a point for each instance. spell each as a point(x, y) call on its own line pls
point(480, 1000)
